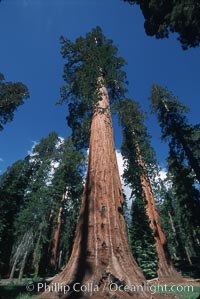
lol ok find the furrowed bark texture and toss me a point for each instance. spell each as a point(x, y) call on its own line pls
point(165, 266)
point(101, 253)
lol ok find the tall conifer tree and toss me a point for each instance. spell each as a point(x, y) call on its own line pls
point(55, 168)
point(183, 167)
point(67, 188)
point(140, 173)
point(13, 184)
point(101, 253)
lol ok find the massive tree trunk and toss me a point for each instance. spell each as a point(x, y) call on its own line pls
point(165, 266)
point(53, 259)
point(101, 253)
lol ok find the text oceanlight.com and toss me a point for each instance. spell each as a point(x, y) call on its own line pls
point(91, 288)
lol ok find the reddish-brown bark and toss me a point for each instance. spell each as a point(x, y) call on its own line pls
point(101, 253)
point(55, 241)
point(165, 265)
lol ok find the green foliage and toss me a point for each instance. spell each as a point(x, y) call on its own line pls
point(136, 137)
point(90, 63)
point(170, 112)
point(136, 142)
point(31, 193)
point(183, 137)
point(57, 169)
point(182, 205)
point(142, 241)
point(163, 16)
point(191, 297)
point(24, 296)
point(12, 95)
point(68, 178)
point(130, 118)
point(13, 185)
point(180, 212)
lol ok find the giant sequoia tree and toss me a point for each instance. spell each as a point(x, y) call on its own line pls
point(101, 252)
point(163, 16)
point(140, 171)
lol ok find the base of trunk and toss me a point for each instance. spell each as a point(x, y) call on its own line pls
point(169, 273)
point(108, 286)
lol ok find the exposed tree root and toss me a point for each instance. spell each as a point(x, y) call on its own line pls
point(108, 286)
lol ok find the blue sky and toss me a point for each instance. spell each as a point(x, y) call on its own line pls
point(30, 53)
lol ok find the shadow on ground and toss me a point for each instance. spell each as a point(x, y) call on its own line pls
point(13, 291)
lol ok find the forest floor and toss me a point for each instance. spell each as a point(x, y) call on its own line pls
point(158, 289)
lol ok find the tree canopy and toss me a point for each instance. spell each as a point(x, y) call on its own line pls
point(31, 191)
point(182, 202)
point(88, 59)
point(182, 136)
point(12, 95)
point(135, 133)
point(164, 16)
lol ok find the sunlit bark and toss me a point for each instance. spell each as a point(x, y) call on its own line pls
point(165, 266)
point(101, 253)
